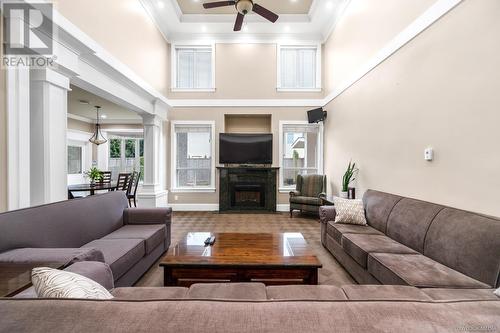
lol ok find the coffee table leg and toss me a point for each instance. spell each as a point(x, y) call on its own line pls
point(313, 277)
point(168, 278)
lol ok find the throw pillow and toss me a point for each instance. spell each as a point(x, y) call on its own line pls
point(497, 292)
point(54, 283)
point(349, 211)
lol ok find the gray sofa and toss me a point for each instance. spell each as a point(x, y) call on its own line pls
point(98, 228)
point(416, 243)
point(253, 307)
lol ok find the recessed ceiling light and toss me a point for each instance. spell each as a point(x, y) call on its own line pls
point(161, 5)
point(287, 28)
point(103, 116)
point(203, 28)
point(83, 102)
point(329, 5)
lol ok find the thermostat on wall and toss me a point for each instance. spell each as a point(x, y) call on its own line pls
point(429, 154)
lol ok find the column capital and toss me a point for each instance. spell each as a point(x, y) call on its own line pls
point(151, 120)
point(50, 76)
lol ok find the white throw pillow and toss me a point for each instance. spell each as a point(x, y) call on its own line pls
point(54, 283)
point(349, 211)
point(497, 292)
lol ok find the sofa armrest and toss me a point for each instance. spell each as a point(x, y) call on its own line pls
point(294, 193)
point(322, 195)
point(147, 216)
point(94, 270)
point(66, 256)
point(327, 214)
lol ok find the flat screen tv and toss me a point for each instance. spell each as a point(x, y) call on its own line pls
point(245, 148)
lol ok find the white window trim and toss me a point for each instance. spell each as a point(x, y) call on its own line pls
point(173, 66)
point(286, 189)
point(173, 158)
point(319, 64)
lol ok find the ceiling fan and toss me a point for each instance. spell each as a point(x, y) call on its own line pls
point(243, 7)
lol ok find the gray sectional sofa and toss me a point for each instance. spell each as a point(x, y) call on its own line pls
point(416, 243)
point(98, 228)
point(253, 307)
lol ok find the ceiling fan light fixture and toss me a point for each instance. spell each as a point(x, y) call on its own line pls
point(244, 6)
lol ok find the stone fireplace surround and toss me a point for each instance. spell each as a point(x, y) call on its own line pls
point(247, 189)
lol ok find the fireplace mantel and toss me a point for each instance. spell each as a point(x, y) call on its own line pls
point(247, 188)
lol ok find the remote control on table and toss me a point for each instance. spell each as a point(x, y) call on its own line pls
point(212, 240)
point(207, 241)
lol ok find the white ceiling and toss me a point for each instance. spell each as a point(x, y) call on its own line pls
point(113, 114)
point(301, 20)
point(276, 6)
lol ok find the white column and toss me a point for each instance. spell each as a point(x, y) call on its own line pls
point(153, 193)
point(18, 137)
point(49, 107)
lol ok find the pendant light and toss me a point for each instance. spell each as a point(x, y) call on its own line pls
point(98, 138)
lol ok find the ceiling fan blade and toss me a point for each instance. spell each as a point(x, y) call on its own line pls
point(265, 13)
point(239, 22)
point(218, 4)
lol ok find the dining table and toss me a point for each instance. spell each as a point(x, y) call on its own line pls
point(91, 188)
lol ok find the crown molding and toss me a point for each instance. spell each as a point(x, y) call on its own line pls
point(175, 25)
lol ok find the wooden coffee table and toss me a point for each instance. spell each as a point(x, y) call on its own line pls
point(274, 259)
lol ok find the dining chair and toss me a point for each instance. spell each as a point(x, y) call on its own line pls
point(106, 177)
point(123, 181)
point(132, 189)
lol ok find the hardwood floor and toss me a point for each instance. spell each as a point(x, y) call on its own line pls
point(183, 222)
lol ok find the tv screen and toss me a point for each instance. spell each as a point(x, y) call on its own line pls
point(245, 148)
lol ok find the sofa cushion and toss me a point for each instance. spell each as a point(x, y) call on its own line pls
point(152, 234)
point(306, 200)
point(445, 294)
point(149, 293)
point(384, 293)
point(120, 254)
point(336, 230)
point(409, 221)
point(358, 246)
point(418, 271)
point(378, 207)
point(234, 291)
point(466, 242)
point(45, 255)
point(305, 292)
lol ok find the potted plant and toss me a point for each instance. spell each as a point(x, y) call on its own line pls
point(349, 177)
point(94, 174)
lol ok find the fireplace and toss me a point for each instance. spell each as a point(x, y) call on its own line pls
point(248, 195)
point(247, 189)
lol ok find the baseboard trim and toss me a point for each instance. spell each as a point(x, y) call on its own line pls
point(194, 207)
point(283, 207)
point(213, 207)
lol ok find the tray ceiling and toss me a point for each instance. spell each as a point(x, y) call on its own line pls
point(277, 6)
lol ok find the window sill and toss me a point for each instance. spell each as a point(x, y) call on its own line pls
point(210, 90)
point(299, 89)
point(193, 190)
point(286, 189)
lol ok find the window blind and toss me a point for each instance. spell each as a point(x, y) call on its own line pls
point(298, 68)
point(194, 68)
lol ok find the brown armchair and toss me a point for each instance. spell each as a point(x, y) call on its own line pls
point(309, 193)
